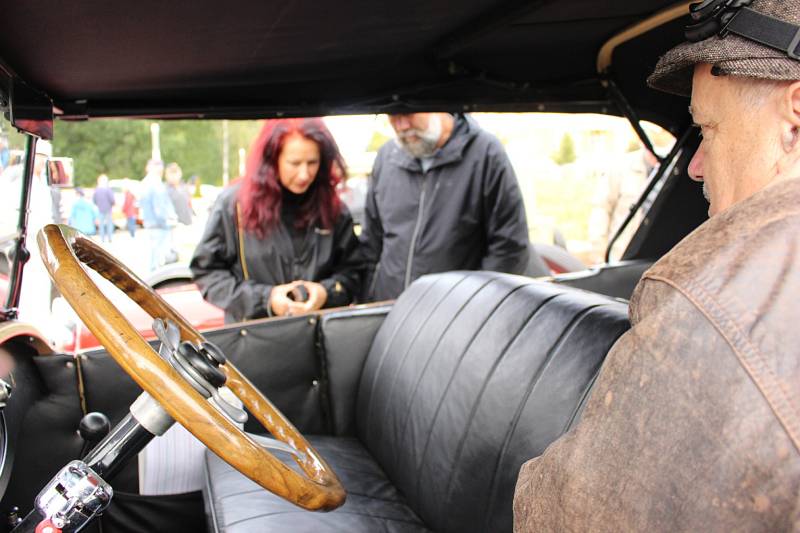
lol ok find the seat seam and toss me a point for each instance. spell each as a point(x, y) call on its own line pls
point(419, 522)
point(512, 341)
point(532, 384)
point(242, 493)
point(585, 393)
point(418, 467)
point(210, 491)
point(350, 492)
point(420, 329)
point(382, 358)
point(430, 358)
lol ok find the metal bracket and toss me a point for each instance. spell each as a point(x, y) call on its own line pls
point(5, 392)
point(169, 335)
point(30, 111)
point(657, 176)
point(616, 96)
point(73, 497)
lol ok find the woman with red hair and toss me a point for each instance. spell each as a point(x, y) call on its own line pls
point(279, 241)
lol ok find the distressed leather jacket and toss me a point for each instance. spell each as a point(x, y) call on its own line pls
point(694, 424)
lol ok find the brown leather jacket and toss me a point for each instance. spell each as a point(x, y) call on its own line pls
point(694, 424)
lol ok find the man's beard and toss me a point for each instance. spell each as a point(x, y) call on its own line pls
point(706, 194)
point(425, 141)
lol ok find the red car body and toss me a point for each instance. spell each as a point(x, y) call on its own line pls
point(185, 298)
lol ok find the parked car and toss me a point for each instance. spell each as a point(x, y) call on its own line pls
point(420, 412)
point(181, 294)
point(353, 193)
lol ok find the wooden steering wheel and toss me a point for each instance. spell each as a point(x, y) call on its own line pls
point(63, 249)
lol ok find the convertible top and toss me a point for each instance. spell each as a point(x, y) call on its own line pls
point(260, 58)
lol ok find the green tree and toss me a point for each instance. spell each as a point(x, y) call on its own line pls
point(196, 145)
point(241, 134)
point(121, 147)
point(566, 152)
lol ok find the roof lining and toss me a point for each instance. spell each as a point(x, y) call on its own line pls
point(483, 25)
point(482, 62)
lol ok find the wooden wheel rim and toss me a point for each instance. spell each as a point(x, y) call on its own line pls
point(63, 249)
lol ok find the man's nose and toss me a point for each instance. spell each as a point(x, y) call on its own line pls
point(400, 122)
point(696, 164)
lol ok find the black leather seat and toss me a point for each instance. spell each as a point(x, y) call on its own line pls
point(470, 375)
point(373, 503)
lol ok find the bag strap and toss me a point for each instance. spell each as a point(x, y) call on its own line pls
point(240, 236)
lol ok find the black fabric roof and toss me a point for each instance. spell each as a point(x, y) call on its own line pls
point(244, 58)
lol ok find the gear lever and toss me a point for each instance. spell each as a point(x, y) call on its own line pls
point(93, 428)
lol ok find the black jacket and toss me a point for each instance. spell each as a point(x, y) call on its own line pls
point(464, 213)
point(330, 257)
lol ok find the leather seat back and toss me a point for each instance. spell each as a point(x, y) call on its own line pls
point(472, 374)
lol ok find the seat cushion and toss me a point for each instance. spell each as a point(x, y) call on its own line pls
point(236, 504)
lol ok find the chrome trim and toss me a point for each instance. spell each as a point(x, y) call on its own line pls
point(73, 497)
point(149, 413)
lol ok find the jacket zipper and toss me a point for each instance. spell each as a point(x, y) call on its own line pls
point(371, 292)
point(416, 231)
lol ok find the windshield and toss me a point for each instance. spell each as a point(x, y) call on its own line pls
point(578, 175)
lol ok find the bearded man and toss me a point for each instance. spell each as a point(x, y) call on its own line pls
point(442, 196)
point(694, 423)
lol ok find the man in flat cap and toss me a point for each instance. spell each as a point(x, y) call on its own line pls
point(694, 423)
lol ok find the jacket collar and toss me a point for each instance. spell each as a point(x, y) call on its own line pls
point(464, 130)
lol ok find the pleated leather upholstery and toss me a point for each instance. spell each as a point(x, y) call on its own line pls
point(470, 375)
point(373, 503)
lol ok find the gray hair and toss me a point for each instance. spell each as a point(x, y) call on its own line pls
point(754, 92)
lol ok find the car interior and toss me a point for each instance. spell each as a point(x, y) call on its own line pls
point(417, 413)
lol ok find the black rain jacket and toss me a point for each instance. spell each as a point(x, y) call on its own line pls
point(465, 213)
point(330, 257)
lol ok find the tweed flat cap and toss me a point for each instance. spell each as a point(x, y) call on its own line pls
point(731, 55)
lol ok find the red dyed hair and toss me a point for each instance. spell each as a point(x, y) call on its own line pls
point(260, 193)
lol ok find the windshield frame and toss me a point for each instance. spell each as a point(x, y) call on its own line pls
point(21, 254)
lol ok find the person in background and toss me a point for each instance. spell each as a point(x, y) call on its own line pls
point(442, 196)
point(5, 153)
point(84, 214)
point(130, 210)
point(158, 215)
point(194, 185)
point(103, 198)
point(178, 193)
point(280, 241)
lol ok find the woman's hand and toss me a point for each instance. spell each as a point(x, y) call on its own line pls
point(317, 295)
point(283, 305)
point(280, 302)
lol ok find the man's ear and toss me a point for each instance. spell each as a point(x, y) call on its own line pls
point(790, 107)
point(791, 103)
